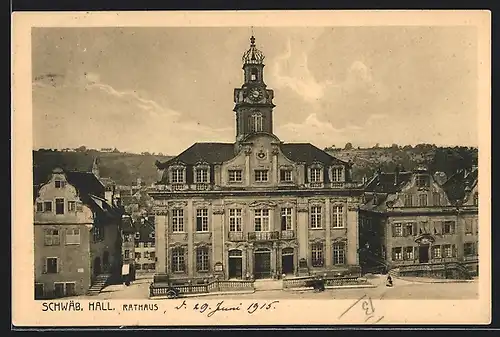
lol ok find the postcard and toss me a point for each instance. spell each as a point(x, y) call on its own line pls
point(251, 168)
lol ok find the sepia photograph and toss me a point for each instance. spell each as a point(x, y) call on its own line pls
point(254, 163)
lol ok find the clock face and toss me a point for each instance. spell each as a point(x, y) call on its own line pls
point(256, 94)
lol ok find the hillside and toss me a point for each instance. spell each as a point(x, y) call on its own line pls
point(125, 168)
point(438, 159)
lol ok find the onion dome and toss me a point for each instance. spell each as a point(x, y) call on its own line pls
point(253, 55)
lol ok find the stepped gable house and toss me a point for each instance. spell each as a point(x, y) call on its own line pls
point(258, 207)
point(412, 222)
point(77, 240)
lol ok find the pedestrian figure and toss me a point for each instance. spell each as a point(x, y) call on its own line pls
point(389, 281)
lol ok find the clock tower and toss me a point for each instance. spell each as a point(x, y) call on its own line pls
point(253, 101)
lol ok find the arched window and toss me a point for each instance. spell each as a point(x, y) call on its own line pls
point(256, 122)
point(253, 74)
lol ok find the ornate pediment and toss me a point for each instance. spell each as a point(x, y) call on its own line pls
point(317, 240)
point(202, 204)
point(218, 210)
point(177, 204)
point(202, 244)
point(289, 244)
point(316, 202)
point(302, 208)
point(425, 239)
point(177, 244)
point(341, 239)
point(263, 204)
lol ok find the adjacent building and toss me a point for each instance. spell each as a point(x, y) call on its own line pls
point(76, 234)
point(144, 242)
point(411, 222)
point(257, 207)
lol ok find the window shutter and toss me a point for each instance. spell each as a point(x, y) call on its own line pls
point(415, 253)
point(442, 251)
point(393, 254)
point(453, 251)
point(44, 265)
point(393, 227)
point(414, 228)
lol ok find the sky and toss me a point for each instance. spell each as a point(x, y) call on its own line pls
point(163, 89)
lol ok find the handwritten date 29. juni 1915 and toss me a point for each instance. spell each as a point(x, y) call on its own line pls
point(220, 306)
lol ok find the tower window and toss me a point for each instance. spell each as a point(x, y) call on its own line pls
point(256, 123)
point(253, 74)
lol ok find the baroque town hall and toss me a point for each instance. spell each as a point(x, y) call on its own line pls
point(258, 207)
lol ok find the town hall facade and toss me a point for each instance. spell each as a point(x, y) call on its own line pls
point(258, 207)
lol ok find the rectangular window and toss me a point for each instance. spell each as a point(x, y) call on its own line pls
point(286, 219)
point(436, 199)
point(235, 220)
point(59, 206)
point(408, 229)
point(235, 176)
point(337, 174)
point(98, 233)
point(178, 220)
point(408, 200)
point(146, 255)
point(397, 229)
point(52, 237)
point(60, 183)
point(260, 175)
point(58, 289)
point(71, 206)
point(70, 288)
point(201, 175)
point(317, 255)
point(152, 243)
point(469, 249)
point(422, 200)
point(178, 260)
point(316, 175)
point(137, 255)
point(39, 291)
point(51, 265)
point(137, 236)
point(202, 220)
point(447, 251)
point(261, 220)
point(286, 175)
point(152, 255)
point(177, 176)
point(73, 236)
point(39, 206)
point(47, 206)
point(338, 216)
point(468, 227)
point(408, 253)
point(339, 253)
point(397, 253)
point(422, 181)
point(315, 221)
point(424, 228)
point(436, 252)
point(127, 254)
point(449, 227)
point(202, 259)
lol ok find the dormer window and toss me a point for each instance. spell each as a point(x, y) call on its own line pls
point(201, 175)
point(60, 183)
point(422, 181)
point(337, 174)
point(177, 175)
point(316, 175)
point(286, 175)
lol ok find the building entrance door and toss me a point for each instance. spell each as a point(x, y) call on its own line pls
point(423, 253)
point(97, 266)
point(287, 265)
point(262, 267)
point(235, 264)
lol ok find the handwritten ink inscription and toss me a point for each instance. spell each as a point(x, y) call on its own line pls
point(366, 307)
point(205, 308)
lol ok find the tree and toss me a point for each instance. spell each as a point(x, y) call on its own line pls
point(348, 146)
point(81, 149)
